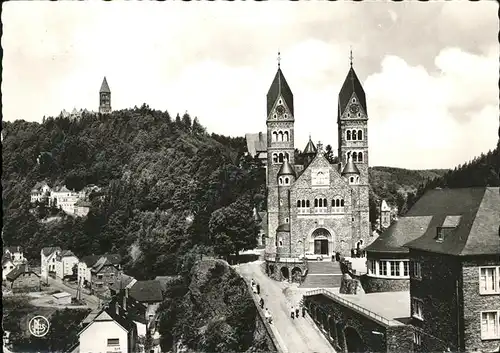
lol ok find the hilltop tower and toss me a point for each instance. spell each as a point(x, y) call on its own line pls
point(104, 98)
point(280, 143)
point(352, 122)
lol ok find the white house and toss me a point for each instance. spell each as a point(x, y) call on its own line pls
point(48, 260)
point(110, 331)
point(15, 253)
point(81, 208)
point(7, 267)
point(65, 261)
point(40, 191)
point(65, 199)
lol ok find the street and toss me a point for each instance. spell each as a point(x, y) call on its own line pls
point(295, 335)
point(91, 301)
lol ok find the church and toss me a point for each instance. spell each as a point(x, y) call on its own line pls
point(316, 207)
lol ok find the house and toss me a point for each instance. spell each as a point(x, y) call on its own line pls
point(385, 215)
point(15, 253)
point(65, 199)
point(150, 294)
point(453, 301)
point(123, 282)
point(97, 272)
point(7, 266)
point(40, 192)
point(81, 208)
point(257, 146)
point(66, 261)
point(111, 330)
point(48, 260)
point(455, 272)
point(21, 279)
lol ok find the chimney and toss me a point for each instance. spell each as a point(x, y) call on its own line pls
point(125, 296)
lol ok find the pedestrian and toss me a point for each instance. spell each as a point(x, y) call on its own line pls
point(268, 316)
point(333, 257)
point(297, 312)
point(261, 303)
point(252, 282)
point(258, 288)
point(303, 311)
point(292, 313)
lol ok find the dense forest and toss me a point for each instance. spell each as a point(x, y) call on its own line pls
point(169, 187)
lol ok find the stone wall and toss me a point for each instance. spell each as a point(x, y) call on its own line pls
point(296, 271)
point(338, 322)
point(373, 284)
point(438, 291)
point(474, 303)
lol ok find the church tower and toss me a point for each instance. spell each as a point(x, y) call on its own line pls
point(104, 98)
point(280, 147)
point(352, 121)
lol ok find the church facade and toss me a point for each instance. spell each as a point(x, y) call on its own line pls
point(316, 207)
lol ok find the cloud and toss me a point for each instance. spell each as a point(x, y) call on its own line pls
point(217, 60)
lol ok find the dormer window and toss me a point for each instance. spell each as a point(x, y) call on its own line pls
point(449, 225)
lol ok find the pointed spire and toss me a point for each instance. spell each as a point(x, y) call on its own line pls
point(104, 86)
point(351, 86)
point(310, 148)
point(279, 87)
point(286, 168)
point(350, 57)
point(350, 167)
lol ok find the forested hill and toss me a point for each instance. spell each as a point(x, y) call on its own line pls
point(170, 188)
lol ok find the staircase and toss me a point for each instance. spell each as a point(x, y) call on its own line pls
point(322, 274)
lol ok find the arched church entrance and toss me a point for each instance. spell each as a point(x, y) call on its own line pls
point(354, 341)
point(321, 239)
point(285, 273)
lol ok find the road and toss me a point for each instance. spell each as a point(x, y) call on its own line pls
point(295, 335)
point(91, 300)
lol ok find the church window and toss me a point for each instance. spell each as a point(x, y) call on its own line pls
point(348, 135)
point(279, 102)
point(287, 181)
point(280, 136)
point(280, 243)
point(280, 158)
point(298, 203)
point(359, 115)
point(338, 205)
point(275, 158)
point(275, 136)
point(352, 179)
point(307, 203)
point(287, 220)
point(274, 116)
point(360, 135)
point(286, 136)
point(354, 100)
point(354, 156)
point(348, 115)
point(354, 135)
point(342, 203)
point(280, 181)
point(287, 156)
point(286, 116)
point(360, 156)
point(348, 154)
point(320, 205)
point(302, 206)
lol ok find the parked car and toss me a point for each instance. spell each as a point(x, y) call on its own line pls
point(311, 256)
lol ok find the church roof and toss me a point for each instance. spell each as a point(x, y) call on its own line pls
point(279, 87)
point(104, 86)
point(351, 85)
point(286, 169)
point(283, 228)
point(350, 168)
point(310, 148)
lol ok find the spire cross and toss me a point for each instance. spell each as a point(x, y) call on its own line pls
point(320, 146)
point(279, 59)
point(350, 57)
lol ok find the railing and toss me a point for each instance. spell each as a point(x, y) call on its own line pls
point(348, 304)
point(289, 258)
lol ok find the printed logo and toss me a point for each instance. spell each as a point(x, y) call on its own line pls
point(39, 326)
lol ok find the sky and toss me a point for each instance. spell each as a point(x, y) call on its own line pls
point(430, 70)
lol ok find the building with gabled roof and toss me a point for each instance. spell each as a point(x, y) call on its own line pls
point(99, 272)
point(22, 279)
point(48, 260)
point(66, 264)
point(315, 207)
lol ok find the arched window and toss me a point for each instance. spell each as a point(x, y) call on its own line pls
point(287, 220)
point(274, 116)
point(354, 135)
point(298, 203)
point(320, 205)
point(280, 136)
point(308, 204)
point(315, 202)
point(303, 203)
point(348, 135)
point(280, 181)
point(275, 158)
point(275, 136)
point(352, 179)
point(287, 181)
point(360, 134)
point(354, 157)
point(342, 203)
point(286, 116)
point(287, 156)
point(338, 205)
point(360, 156)
point(348, 155)
point(280, 158)
point(287, 138)
point(325, 203)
